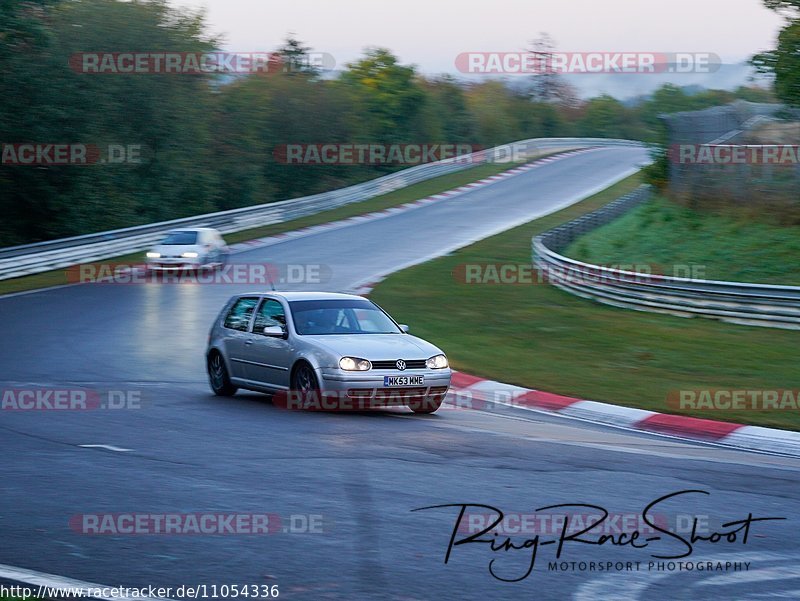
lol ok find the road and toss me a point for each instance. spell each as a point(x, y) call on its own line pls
point(354, 477)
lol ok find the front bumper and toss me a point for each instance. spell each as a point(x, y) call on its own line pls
point(367, 390)
point(164, 264)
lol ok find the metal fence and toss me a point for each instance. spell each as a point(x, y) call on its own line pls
point(748, 304)
point(56, 254)
point(735, 153)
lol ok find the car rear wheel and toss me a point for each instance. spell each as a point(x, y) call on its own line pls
point(218, 376)
point(425, 407)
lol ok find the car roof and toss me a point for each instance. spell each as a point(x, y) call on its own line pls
point(295, 296)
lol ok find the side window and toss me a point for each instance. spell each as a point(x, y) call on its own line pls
point(238, 318)
point(270, 313)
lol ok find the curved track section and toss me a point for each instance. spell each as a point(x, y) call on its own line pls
point(358, 475)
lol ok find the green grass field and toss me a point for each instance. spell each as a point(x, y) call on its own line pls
point(540, 337)
point(723, 246)
point(385, 201)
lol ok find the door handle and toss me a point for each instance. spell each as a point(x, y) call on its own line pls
point(249, 342)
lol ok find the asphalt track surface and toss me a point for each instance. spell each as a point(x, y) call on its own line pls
point(359, 475)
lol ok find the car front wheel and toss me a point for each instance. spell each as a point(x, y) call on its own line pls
point(305, 384)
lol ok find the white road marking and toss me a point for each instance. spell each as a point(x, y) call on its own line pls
point(41, 579)
point(107, 447)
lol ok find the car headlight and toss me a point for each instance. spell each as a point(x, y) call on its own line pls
point(354, 364)
point(437, 362)
point(152, 255)
point(190, 255)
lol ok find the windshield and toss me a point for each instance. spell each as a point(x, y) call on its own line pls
point(180, 238)
point(346, 316)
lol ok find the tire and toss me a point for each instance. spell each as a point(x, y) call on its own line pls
point(304, 381)
point(218, 376)
point(425, 407)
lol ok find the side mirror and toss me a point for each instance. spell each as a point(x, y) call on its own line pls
point(403, 327)
point(274, 332)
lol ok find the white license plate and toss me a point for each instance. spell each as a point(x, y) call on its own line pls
point(403, 380)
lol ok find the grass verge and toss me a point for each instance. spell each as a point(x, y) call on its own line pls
point(424, 189)
point(667, 234)
point(540, 337)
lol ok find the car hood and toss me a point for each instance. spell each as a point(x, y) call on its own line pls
point(376, 347)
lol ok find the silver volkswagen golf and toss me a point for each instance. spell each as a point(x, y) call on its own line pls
point(339, 348)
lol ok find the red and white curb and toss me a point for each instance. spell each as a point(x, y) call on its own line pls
point(474, 393)
point(449, 194)
point(470, 392)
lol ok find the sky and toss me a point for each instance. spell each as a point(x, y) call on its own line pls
point(431, 33)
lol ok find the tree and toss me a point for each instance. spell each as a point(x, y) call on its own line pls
point(295, 57)
point(446, 116)
point(165, 114)
point(784, 61)
point(788, 8)
point(605, 117)
point(546, 84)
point(387, 92)
point(489, 105)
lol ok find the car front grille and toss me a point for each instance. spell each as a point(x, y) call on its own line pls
point(410, 364)
point(405, 394)
point(366, 398)
point(437, 392)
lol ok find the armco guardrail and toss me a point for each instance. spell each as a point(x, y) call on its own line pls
point(44, 256)
point(749, 304)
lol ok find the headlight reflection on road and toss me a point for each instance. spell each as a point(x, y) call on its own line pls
point(174, 312)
